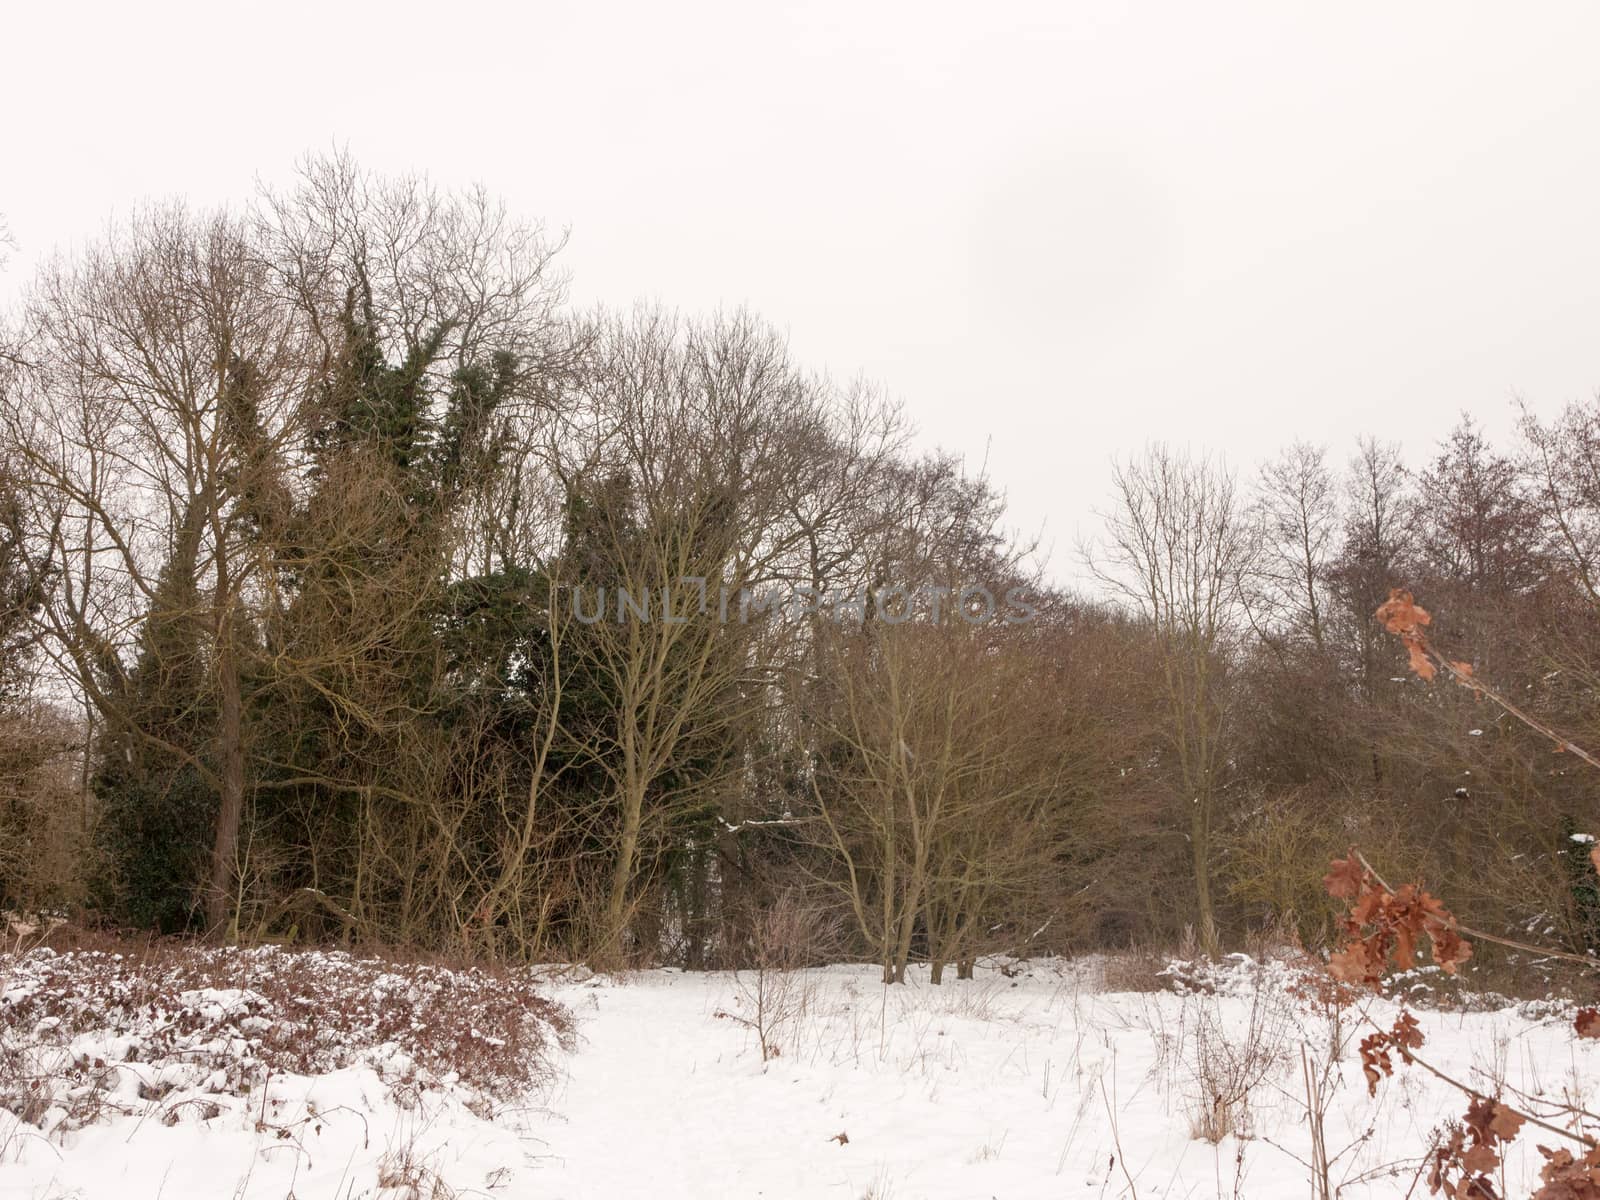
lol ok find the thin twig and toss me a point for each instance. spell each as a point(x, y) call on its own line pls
point(1116, 1136)
point(1464, 676)
point(1467, 1089)
point(1483, 935)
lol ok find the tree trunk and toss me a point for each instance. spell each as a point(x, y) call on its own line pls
point(230, 811)
point(622, 869)
point(908, 928)
point(1200, 839)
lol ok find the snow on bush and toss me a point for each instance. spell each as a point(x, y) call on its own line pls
point(88, 1034)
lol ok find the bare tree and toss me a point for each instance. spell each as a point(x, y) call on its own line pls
point(1562, 460)
point(890, 793)
point(1297, 505)
point(672, 509)
point(1379, 533)
point(1479, 529)
point(163, 371)
point(1178, 549)
point(430, 264)
point(959, 777)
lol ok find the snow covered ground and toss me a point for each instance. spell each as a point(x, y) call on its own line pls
point(1030, 1084)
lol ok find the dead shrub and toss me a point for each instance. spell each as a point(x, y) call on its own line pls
point(1216, 1057)
point(1136, 969)
point(189, 1013)
point(404, 1175)
point(775, 996)
point(1228, 1063)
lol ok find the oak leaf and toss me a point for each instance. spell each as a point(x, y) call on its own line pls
point(1352, 964)
point(1587, 1023)
point(1405, 947)
point(1450, 950)
point(1480, 1160)
point(1506, 1122)
point(1401, 614)
point(1407, 1034)
point(1345, 877)
point(1419, 659)
point(1367, 908)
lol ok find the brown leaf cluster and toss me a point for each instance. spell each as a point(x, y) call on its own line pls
point(1400, 614)
point(1566, 1177)
point(1587, 1023)
point(1462, 1166)
point(1382, 924)
point(1404, 1037)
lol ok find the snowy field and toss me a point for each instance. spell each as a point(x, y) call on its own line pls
point(1036, 1083)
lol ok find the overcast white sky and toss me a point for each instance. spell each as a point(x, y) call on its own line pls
point(1055, 230)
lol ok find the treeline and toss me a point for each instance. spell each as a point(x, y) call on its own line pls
point(353, 586)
